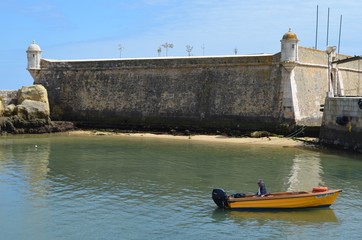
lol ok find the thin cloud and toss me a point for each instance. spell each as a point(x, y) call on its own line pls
point(75, 29)
point(48, 16)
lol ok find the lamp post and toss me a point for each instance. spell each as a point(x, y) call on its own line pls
point(167, 46)
point(120, 48)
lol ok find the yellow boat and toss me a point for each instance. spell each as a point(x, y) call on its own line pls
point(318, 197)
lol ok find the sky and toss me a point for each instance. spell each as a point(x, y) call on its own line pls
point(70, 29)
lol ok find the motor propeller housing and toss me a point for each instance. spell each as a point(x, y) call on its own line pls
point(220, 197)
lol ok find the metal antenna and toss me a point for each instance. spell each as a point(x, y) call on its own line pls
point(327, 27)
point(340, 32)
point(316, 31)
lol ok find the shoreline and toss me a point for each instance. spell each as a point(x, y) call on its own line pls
point(266, 141)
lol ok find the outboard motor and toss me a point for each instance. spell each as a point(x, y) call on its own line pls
point(220, 198)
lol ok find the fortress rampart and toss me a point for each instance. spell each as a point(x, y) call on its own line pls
point(247, 92)
point(342, 123)
point(220, 92)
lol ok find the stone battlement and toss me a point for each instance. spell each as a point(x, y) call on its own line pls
point(243, 92)
point(342, 123)
point(8, 96)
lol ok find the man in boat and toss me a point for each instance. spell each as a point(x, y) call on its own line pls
point(262, 189)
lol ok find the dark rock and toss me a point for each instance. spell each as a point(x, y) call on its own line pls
point(18, 125)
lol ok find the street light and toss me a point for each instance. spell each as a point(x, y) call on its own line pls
point(167, 46)
point(120, 48)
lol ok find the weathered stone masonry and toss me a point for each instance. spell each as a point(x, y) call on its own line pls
point(342, 123)
point(253, 92)
point(234, 92)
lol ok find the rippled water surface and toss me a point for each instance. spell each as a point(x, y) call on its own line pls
point(101, 187)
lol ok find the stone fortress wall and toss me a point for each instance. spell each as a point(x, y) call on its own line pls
point(8, 96)
point(342, 123)
point(233, 92)
point(246, 92)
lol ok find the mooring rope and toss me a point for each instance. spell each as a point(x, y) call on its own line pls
point(295, 133)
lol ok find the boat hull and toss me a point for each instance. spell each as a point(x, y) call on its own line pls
point(285, 200)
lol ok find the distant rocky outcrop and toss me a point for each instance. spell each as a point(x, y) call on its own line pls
point(31, 114)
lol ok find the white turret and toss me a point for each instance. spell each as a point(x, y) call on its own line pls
point(289, 60)
point(34, 56)
point(289, 47)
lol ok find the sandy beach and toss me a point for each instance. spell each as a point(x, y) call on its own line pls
point(270, 141)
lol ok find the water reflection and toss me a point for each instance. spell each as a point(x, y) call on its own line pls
point(299, 217)
point(103, 188)
point(306, 172)
point(31, 159)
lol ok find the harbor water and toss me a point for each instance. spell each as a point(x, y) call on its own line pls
point(106, 187)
